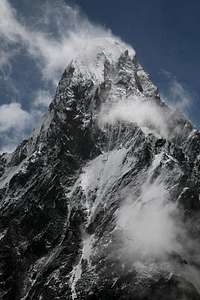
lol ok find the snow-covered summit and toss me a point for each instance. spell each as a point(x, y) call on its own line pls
point(93, 53)
point(102, 201)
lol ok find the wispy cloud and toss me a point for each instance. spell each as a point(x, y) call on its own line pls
point(4, 58)
point(75, 37)
point(42, 98)
point(13, 116)
point(59, 34)
point(180, 95)
point(14, 124)
point(146, 114)
point(154, 234)
point(149, 224)
point(176, 94)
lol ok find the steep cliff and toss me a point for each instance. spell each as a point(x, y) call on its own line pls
point(102, 201)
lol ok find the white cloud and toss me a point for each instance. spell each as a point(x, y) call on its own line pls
point(76, 37)
point(154, 234)
point(149, 225)
point(42, 98)
point(12, 116)
point(5, 63)
point(4, 58)
point(14, 124)
point(177, 95)
point(52, 50)
point(146, 114)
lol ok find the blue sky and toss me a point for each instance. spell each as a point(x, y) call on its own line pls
point(38, 38)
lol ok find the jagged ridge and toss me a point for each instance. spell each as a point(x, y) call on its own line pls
point(61, 190)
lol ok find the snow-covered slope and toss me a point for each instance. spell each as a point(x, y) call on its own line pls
point(102, 201)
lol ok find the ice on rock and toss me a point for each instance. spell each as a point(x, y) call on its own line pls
point(76, 273)
point(89, 209)
point(102, 173)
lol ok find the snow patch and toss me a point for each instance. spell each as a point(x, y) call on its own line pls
point(101, 174)
point(2, 234)
point(77, 270)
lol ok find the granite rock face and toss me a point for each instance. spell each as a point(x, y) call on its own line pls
point(69, 196)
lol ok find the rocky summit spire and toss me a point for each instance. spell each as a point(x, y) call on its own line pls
point(102, 201)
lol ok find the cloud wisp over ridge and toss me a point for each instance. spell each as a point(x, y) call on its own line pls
point(57, 36)
point(75, 37)
point(146, 114)
point(51, 42)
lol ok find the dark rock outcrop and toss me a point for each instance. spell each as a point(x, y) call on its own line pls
point(61, 189)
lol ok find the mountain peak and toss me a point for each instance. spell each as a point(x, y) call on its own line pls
point(92, 58)
point(106, 74)
point(102, 201)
